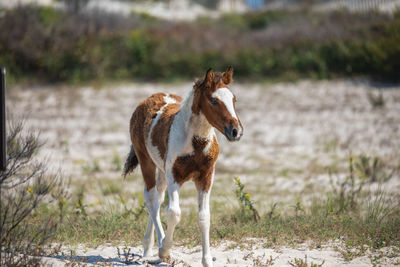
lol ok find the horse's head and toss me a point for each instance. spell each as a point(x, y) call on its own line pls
point(214, 99)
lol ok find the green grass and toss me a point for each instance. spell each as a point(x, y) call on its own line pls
point(360, 220)
point(371, 226)
point(111, 189)
point(348, 211)
point(91, 167)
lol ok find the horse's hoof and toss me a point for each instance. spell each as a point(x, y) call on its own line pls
point(153, 260)
point(147, 254)
point(163, 253)
point(207, 262)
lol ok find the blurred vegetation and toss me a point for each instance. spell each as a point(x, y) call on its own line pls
point(50, 45)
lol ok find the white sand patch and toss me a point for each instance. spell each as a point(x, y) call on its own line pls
point(292, 133)
point(288, 128)
point(227, 254)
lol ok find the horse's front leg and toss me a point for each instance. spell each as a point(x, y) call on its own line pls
point(204, 219)
point(173, 216)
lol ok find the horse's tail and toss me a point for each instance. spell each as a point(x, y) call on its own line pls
point(130, 163)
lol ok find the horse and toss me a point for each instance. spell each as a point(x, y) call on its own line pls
point(174, 141)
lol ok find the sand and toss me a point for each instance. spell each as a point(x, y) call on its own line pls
point(227, 254)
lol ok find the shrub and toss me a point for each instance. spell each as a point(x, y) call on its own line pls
point(56, 46)
point(27, 190)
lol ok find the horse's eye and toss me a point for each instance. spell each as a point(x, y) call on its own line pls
point(214, 101)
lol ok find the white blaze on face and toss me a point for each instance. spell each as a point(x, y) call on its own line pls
point(226, 97)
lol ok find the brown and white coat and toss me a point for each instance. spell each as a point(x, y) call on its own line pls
point(176, 141)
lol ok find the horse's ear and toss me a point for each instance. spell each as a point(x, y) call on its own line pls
point(227, 76)
point(209, 79)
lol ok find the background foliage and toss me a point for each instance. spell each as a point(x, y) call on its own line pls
point(51, 45)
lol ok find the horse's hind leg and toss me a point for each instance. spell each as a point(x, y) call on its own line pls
point(161, 186)
point(173, 215)
point(148, 239)
point(151, 197)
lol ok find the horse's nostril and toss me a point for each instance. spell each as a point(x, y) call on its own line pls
point(234, 133)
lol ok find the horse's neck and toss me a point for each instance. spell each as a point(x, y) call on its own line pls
point(194, 124)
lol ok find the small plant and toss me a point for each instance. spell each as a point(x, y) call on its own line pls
point(65, 145)
point(117, 162)
point(372, 169)
point(273, 213)
point(91, 167)
point(375, 260)
point(258, 261)
point(349, 253)
point(244, 200)
point(111, 189)
point(376, 100)
point(379, 208)
point(126, 256)
point(330, 145)
point(298, 207)
point(345, 194)
point(297, 262)
point(80, 206)
point(362, 169)
point(137, 213)
point(270, 261)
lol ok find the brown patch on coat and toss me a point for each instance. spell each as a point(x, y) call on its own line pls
point(140, 124)
point(160, 132)
point(197, 166)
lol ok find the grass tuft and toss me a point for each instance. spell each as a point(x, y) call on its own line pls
point(376, 100)
point(297, 262)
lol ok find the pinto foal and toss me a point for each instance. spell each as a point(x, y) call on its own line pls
point(177, 138)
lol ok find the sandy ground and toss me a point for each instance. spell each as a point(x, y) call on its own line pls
point(294, 132)
point(227, 254)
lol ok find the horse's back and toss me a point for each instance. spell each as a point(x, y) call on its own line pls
point(150, 124)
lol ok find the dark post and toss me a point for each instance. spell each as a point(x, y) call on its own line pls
point(3, 119)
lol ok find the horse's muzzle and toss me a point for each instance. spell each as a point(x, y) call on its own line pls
point(232, 133)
